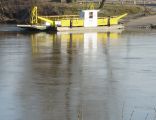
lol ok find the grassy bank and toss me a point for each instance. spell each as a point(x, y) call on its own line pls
point(21, 13)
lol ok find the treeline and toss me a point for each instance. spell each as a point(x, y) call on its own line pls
point(13, 10)
point(18, 11)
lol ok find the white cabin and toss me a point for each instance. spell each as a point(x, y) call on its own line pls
point(90, 17)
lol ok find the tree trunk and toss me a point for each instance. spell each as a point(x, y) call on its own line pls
point(102, 4)
point(134, 2)
point(121, 2)
point(70, 1)
point(144, 2)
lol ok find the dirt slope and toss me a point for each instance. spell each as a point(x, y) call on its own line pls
point(143, 21)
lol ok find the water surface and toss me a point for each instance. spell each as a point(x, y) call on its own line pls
point(77, 76)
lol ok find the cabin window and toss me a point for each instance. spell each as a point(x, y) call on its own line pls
point(90, 14)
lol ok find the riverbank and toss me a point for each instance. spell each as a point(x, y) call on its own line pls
point(142, 22)
point(20, 13)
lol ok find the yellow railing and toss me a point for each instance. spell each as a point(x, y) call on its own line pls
point(72, 22)
point(102, 21)
point(61, 17)
point(114, 20)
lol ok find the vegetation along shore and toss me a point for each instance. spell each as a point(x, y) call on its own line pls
point(18, 11)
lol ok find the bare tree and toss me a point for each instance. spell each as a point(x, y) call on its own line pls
point(102, 4)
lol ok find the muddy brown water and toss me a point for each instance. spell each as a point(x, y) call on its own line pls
point(78, 76)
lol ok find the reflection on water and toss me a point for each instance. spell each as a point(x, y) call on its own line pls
point(77, 76)
point(87, 41)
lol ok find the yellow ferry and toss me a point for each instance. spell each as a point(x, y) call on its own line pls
point(87, 20)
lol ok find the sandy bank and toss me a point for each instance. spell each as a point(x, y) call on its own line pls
point(141, 21)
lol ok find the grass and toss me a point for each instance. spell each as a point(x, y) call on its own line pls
point(110, 10)
point(107, 10)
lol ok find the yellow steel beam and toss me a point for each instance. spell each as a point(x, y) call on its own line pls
point(34, 14)
point(121, 16)
point(61, 17)
point(52, 23)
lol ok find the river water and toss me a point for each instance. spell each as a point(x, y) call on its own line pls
point(78, 76)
